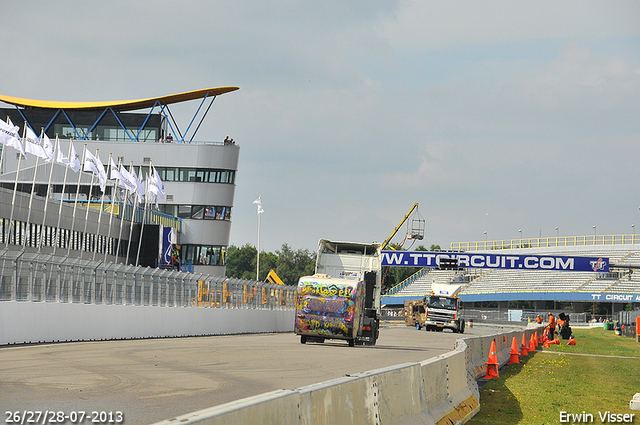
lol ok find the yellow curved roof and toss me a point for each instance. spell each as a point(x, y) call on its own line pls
point(123, 105)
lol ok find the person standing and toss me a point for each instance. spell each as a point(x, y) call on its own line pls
point(552, 326)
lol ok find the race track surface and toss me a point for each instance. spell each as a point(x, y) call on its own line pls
point(156, 379)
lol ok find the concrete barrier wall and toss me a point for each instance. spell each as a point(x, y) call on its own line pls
point(27, 322)
point(441, 390)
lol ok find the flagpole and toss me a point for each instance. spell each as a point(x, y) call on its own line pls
point(124, 204)
point(64, 183)
point(95, 250)
point(144, 216)
point(113, 196)
point(75, 204)
point(46, 199)
point(13, 199)
point(133, 212)
point(33, 187)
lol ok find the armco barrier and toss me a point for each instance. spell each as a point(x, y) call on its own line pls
point(441, 390)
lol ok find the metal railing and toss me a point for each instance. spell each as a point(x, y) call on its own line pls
point(556, 241)
point(44, 278)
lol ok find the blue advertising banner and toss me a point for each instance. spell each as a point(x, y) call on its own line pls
point(168, 239)
point(496, 261)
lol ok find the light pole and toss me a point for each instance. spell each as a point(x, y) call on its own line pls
point(520, 243)
point(556, 232)
point(594, 234)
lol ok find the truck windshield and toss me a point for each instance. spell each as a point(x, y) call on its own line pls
point(441, 302)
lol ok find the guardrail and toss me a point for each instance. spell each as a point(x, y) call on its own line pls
point(558, 241)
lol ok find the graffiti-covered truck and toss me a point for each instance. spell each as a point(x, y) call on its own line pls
point(328, 308)
point(342, 300)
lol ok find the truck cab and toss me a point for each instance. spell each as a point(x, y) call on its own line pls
point(348, 263)
point(443, 308)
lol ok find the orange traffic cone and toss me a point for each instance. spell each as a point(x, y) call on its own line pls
point(572, 341)
point(551, 342)
point(492, 362)
point(532, 344)
point(504, 338)
point(545, 336)
point(514, 358)
point(535, 340)
point(523, 347)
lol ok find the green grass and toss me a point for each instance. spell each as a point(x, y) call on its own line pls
point(544, 384)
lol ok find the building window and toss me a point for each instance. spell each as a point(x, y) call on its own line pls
point(205, 255)
point(197, 212)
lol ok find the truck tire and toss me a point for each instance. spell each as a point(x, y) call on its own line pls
point(462, 326)
point(352, 342)
point(303, 339)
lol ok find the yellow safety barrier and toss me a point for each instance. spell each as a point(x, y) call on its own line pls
point(556, 241)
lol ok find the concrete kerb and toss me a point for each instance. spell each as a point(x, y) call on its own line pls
point(441, 390)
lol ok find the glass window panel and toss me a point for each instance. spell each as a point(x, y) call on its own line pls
point(184, 211)
point(197, 211)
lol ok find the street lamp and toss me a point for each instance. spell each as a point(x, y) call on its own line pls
point(485, 237)
point(556, 231)
point(633, 226)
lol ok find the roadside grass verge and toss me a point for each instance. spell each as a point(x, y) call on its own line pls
point(573, 379)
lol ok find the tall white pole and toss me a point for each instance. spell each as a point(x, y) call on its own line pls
point(46, 199)
point(64, 183)
point(133, 214)
point(113, 198)
point(95, 250)
point(258, 258)
point(15, 188)
point(86, 214)
point(75, 204)
point(144, 217)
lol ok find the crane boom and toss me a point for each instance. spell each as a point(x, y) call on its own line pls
point(385, 243)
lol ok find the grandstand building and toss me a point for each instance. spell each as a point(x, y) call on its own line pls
point(536, 291)
point(198, 176)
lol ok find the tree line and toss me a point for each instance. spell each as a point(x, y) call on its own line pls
point(290, 265)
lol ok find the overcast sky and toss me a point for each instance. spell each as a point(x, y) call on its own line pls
point(494, 116)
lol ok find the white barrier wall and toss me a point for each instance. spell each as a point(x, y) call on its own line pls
point(442, 390)
point(26, 322)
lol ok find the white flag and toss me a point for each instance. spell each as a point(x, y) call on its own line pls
point(128, 181)
point(32, 144)
point(62, 158)
point(49, 148)
point(10, 136)
point(74, 161)
point(139, 185)
point(115, 173)
point(156, 187)
point(93, 164)
point(259, 202)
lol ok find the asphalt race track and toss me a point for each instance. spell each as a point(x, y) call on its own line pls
point(156, 379)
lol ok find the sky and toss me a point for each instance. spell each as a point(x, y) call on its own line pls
point(510, 118)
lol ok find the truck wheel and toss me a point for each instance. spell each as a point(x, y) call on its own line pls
point(352, 343)
point(303, 339)
point(462, 327)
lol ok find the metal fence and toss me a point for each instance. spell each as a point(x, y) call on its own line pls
point(558, 241)
point(45, 278)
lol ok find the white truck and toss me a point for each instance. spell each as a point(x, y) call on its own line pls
point(442, 308)
point(342, 300)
